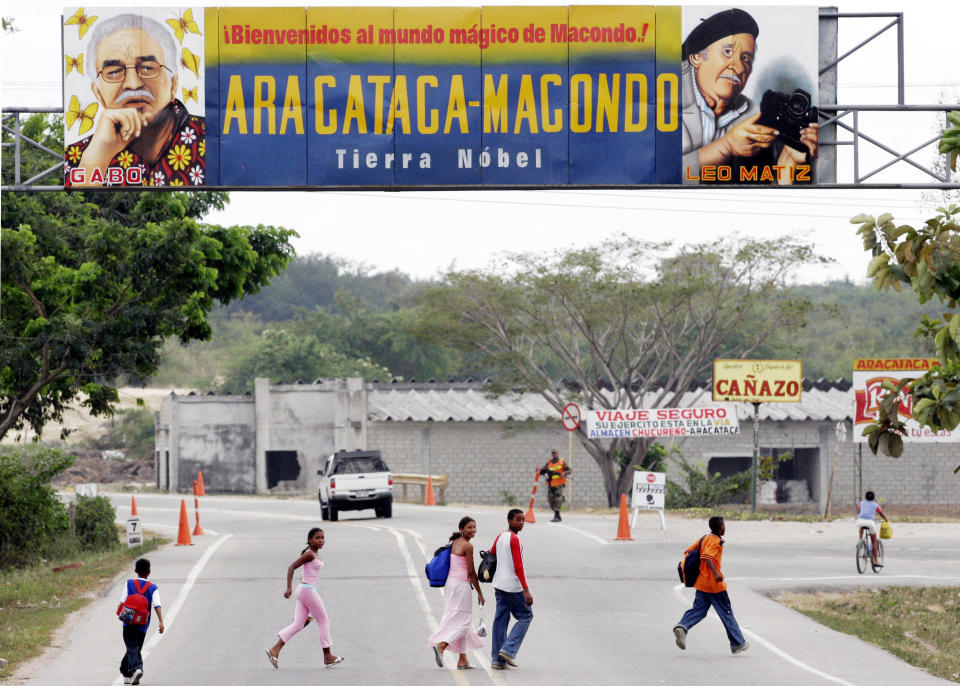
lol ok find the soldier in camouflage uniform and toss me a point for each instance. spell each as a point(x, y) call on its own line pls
point(556, 472)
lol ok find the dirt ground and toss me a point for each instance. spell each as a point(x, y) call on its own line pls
point(88, 469)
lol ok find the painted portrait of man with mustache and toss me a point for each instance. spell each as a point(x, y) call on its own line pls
point(720, 123)
point(142, 125)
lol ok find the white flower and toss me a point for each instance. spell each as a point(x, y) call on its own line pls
point(159, 179)
point(196, 175)
point(188, 135)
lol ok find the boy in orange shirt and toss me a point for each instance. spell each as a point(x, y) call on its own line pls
point(711, 590)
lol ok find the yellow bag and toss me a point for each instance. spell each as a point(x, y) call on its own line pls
point(886, 531)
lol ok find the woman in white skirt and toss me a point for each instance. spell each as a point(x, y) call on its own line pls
point(456, 630)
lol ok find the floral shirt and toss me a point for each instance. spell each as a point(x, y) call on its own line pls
point(181, 162)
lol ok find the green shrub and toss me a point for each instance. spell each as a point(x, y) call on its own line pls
point(702, 489)
point(94, 525)
point(132, 431)
point(31, 515)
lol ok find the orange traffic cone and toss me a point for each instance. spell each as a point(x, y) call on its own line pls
point(528, 516)
point(183, 535)
point(430, 499)
point(197, 530)
point(203, 489)
point(623, 529)
point(133, 507)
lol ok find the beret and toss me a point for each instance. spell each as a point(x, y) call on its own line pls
point(720, 25)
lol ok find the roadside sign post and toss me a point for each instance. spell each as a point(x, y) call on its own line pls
point(134, 534)
point(755, 382)
point(756, 457)
point(649, 493)
point(570, 418)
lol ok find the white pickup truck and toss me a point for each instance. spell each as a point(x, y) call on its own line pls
point(355, 480)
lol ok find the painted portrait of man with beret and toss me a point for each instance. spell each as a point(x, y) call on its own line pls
point(720, 124)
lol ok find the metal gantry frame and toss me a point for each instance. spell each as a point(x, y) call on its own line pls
point(834, 118)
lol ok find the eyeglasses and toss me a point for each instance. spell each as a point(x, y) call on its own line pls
point(146, 69)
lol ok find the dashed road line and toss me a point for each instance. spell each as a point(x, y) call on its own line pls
point(583, 533)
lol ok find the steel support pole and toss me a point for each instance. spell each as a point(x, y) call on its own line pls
point(900, 68)
point(756, 456)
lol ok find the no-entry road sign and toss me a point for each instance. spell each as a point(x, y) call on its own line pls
point(570, 417)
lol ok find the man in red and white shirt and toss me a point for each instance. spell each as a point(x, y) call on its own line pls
point(513, 595)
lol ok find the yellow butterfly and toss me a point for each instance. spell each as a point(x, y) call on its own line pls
point(190, 93)
point(184, 24)
point(82, 21)
point(190, 61)
point(74, 63)
point(85, 115)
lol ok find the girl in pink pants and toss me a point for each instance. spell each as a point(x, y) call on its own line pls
point(308, 602)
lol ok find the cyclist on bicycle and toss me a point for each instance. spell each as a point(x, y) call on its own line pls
point(866, 514)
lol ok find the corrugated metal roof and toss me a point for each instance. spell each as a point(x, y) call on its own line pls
point(464, 402)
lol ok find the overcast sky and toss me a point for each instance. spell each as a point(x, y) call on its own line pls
point(424, 233)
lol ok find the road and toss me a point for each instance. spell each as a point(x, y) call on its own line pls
point(603, 610)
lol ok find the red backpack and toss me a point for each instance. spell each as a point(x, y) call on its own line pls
point(136, 608)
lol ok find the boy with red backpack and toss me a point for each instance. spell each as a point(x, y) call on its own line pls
point(138, 599)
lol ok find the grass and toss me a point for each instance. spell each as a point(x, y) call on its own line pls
point(737, 514)
point(35, 600)
point(919, 625)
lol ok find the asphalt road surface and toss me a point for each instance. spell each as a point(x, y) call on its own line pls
point(603, 610)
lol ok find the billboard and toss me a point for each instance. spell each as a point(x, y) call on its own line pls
point(677, 422)
point(382, 97)
point(758, 381)
point(868, 377)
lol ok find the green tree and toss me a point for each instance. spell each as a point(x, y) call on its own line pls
point(623, 324)
point(94, 282)
point(927, 259)
point(286, 357)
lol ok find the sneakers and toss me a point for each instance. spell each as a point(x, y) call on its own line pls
point(681, 635)
point(136, 676)
point(509, 659)
point(126, 680)
point(740, 648)
point(556, 516)
point(497, 665)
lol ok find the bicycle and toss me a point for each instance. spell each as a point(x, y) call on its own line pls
point(864, 553)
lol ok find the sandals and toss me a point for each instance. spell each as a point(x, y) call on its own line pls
point(273, 660)
point(438, 656)
point(335, 662)
point(465, 667)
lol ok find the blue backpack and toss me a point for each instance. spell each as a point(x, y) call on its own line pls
point(438, 569)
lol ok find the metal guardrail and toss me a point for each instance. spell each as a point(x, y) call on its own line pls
point(440, 482)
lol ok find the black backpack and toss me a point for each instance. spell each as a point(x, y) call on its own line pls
point(689, 567)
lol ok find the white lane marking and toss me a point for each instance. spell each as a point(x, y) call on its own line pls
point(678, 592)
point(170, 616)
point(877, 577)
point(584, 533)
point(422, 598)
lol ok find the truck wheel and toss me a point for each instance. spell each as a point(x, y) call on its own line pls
point(387, 511)
point(332, 512)
point(324, 513)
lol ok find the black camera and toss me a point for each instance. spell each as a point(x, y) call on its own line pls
point(788, 114)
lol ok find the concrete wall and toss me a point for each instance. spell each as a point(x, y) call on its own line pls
point(212, 433)
point(313, 419)
point(494, 462)
point(488, 463)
